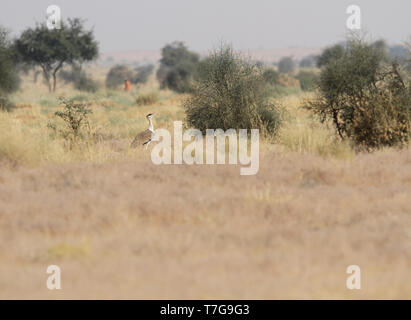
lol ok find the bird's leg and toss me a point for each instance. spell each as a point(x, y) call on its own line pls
point(147, 143)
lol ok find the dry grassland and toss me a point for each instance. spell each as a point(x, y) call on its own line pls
point(120, 227)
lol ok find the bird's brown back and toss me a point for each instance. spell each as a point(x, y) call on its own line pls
point(141, 138)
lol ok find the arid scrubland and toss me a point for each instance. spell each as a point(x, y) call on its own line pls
point(120, 227)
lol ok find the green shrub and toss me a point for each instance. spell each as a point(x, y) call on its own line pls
point(368, 100)
point(84, 83)
point(149, 98)
point(286, 65)
point(142, 74)
point(117, 75)
point(9, 79)
point(75, 117)
point(178, 67)
point(230, 92)
point(80, 79)
point(308, 80)
point(271, 76)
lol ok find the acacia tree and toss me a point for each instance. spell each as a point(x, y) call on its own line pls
point(367, 97)
point(178, 66)
point(286, 65)
point(51, 49)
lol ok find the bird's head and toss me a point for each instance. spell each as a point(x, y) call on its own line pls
point(149, 116)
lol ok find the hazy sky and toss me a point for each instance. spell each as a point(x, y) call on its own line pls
point(122, 25)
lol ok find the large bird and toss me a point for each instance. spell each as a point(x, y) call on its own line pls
point(144, 137)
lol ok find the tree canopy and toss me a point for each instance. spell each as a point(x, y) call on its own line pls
point(51, 49)
point(286, 65)
point(178, 67)
point(142, 73)
point(331, 53)
point(9, 80)
point(367, 97)
point(117, 75)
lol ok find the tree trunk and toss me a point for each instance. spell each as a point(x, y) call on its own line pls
point(55, 75)
point(36, 75)
point(54, 82)
point(337, 124)
point(46, 76)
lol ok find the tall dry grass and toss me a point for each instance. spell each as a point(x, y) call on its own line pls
point(302, 133)
point(25, 136)
point(131, 229)
point(117, 117)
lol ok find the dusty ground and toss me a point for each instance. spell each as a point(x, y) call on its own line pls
point(135, 230)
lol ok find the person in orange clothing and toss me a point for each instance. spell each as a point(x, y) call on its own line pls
point(126, 85)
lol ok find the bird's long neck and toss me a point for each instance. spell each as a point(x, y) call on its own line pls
point(150, 125)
